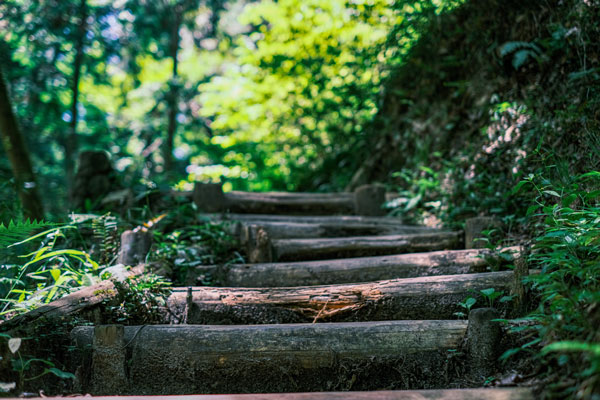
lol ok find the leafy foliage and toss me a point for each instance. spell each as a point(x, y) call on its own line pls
point(18, 231)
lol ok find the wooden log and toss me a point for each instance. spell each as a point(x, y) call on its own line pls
point(360, 246)
point(363, 269)
point(209, 197)
point(135, 246)
point(433, 297)
point(435, 394)
point(290, 203)
point(369, 200)
point(296, 230)
point(278, 358)
point(84, 301)
point(314, 219)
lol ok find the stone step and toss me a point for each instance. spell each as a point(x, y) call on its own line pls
point(425, 298)
point(436, 394)
point(187, 359)
point(365, 200)
point(362, 269)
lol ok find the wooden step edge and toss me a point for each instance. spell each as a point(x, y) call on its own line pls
point(425, 298)
point(437, 394)
point(365, 200)
point(186, 359)
point(359, 269)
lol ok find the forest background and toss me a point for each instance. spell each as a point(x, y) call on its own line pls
point(464, 108)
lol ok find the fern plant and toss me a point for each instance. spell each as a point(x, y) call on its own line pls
point(16, 232)
point(105, 231)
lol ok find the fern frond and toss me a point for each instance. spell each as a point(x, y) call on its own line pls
point(18, 231)
point(105, 231)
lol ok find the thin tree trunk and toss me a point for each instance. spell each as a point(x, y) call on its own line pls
point(71, 142)
point(16, 150)
point(172, 98)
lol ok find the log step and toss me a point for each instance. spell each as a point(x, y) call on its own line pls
point(363, 269)
point(186, 359)
point(365, 200)
point(303, 219)
point(361, 246)
point(439, 394)
point(426, 298)
point(298, 230)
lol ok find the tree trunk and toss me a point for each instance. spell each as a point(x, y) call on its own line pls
point(71, 142)
point(18, 155)
point(172, 98)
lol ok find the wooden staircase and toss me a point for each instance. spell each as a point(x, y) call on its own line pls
point(331, 306)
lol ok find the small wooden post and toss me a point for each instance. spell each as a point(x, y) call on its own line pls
point(209, 197)
point(518, 289)
point(108, 360)
point(258, 244)
point(483, 336)
point(135, 245)
point(369, 200)
point(474, 228)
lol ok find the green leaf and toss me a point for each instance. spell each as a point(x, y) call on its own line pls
point(61, 374)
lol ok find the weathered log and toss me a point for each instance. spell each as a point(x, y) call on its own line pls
point(135, 246)
point(433, 297)
point(297, 230)
point(310, 219)
point(483, 338)
point(366, 200)
point(360, 246)
point(435, 394)
point(363, 269)
point(84, 301)
point(278, 358)
point(369, 200)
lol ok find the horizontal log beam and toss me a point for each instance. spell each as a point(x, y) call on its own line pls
point(188, 359)
point(364, 269)
point(304, 219)
point(366, 200)
point(361, 246)
point(433, 297)
point(446, 394)
point(298, 230)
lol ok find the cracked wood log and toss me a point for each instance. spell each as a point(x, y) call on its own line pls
point(363, 269)
point(360, 246)
point(291, 357)
point(434, 297)
point(431, 394)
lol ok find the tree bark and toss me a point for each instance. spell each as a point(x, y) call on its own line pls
point(18, 156)
point(71, 142)
point(173, 91)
